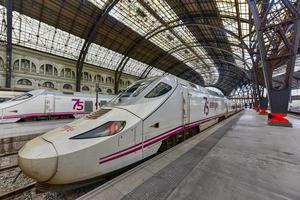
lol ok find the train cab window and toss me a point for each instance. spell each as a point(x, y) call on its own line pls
point(136, 89)
point(22, 97)
point(159, 90)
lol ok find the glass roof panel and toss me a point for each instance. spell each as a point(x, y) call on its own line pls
point(31, 33)
point(156, 15)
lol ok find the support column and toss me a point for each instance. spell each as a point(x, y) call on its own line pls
point(263, 106)
point(278, 34)
point(8, 43)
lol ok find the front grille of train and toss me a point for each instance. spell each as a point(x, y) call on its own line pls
point(98, 113)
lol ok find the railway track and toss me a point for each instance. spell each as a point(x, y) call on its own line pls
point(17, 192)
point(2, 169)
point(8, 161)
point(10, 172)
point(8, 154)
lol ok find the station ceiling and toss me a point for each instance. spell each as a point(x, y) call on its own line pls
point(206, 42)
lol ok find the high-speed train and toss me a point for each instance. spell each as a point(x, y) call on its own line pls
point(133, 126)
point(294, 107)
point(7, 95)
point(47, 103)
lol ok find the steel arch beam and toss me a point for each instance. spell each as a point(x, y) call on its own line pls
point(89, 39)
point(162, 28)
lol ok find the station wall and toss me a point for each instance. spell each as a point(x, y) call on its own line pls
point(33, 69)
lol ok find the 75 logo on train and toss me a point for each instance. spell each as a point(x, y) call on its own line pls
point(78, 105)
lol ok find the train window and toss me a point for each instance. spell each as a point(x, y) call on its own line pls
point(107, 129)
point(193, 85)
point(22, 97)
point(136, 89)
point(161, 89)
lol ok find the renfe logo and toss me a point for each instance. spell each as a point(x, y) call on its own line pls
point(206, 107)
point(78, 105)
point(68, 128)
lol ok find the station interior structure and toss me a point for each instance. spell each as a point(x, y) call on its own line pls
point(246, 51)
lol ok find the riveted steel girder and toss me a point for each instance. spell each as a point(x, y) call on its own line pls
point(89, 39)
point(278, 34)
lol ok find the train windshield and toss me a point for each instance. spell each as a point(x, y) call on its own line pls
point(137, 88)
point(22, 97)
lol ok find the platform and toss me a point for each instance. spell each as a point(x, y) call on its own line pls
point(240, 158)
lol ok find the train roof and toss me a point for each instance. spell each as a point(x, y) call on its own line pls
point(58, 93)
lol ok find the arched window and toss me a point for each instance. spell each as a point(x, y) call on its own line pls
point(109, 91)
point(86, 77)
point(85, 88)
point(24, 82)
point(1, 64)
point(67, 73)
point(67, 87)
point(33, 67)
point(109, 80)
point(55, 71)
point(122, 83)
point(16, 65)
point(48, 69)
point(25, 65)
point(98, 78)
point(48, 84)
point(42, 69)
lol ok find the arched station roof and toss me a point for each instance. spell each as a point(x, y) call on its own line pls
point(206, 42)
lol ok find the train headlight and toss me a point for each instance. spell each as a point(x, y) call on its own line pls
point(107, 129)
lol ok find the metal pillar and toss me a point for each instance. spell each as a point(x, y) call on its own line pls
point(9, 4)
point(89, 39)
point(97, 95)
point(278, 34)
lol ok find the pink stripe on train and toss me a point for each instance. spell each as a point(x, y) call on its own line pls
point(31, 115)
point(153, 140)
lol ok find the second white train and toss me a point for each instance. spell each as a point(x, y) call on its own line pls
point(48, 103)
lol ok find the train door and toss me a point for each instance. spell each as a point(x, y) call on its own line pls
point(49, 103)
point(185, 106)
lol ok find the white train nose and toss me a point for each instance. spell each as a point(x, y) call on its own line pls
point(38, 159)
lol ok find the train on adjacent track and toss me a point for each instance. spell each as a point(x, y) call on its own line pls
point(8, 95)
point(294, 107)
point(136, 124)
point(43, 103)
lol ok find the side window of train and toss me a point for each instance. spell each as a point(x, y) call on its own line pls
point(159, 90)
point(102, 103)
point(88, 106)
point(22, 97)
